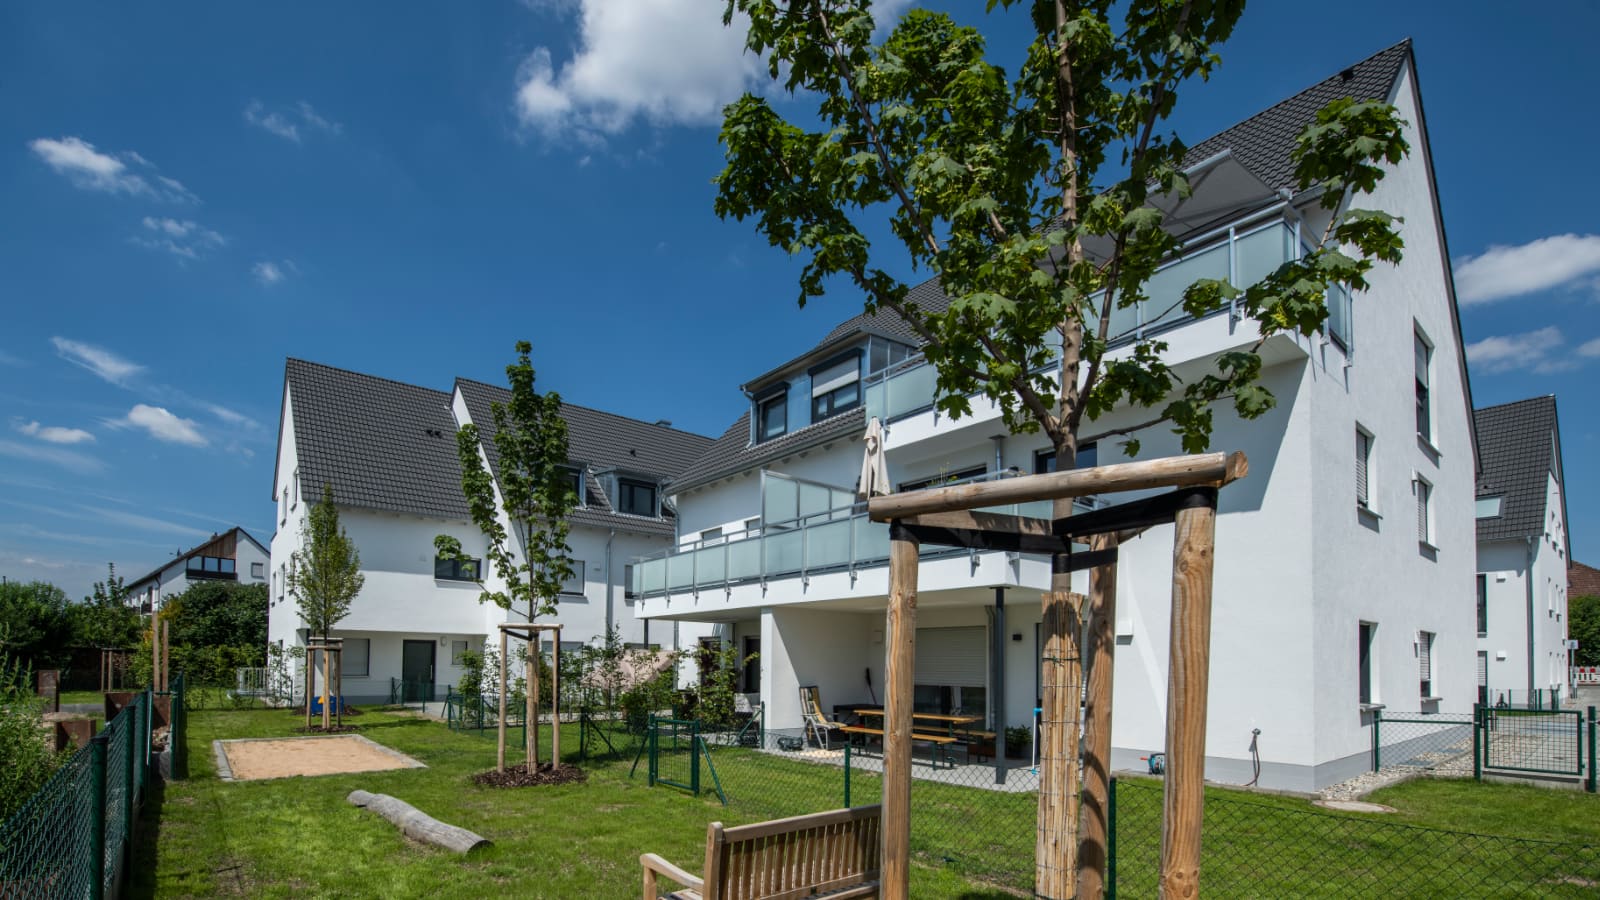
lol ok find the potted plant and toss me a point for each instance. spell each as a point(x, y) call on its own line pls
point(1017, 740)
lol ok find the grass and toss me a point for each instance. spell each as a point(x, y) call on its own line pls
point(299, 837)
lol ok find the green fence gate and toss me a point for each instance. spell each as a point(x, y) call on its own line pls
point(1541, 742)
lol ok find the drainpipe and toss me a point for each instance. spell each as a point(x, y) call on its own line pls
point(998, 679)
point(1528, 578)
point(610, 582)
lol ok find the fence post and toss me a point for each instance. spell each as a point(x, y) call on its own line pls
point(180, 728)
point(1592, 730)
point(1111, 840)
point(131, 788)
point(1477, 741)
point(694, 757)
point(847, 774)
point(1377, 716)
point(97, 815)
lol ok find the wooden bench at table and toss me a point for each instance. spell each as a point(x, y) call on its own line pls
point(823, 855)
point(937, 740)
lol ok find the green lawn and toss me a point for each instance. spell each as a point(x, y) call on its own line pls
point(299, 837)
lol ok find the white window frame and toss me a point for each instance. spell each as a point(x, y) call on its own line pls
point(1427, 677)
point(1364, 469)
point(1423, 382)
point(578, 581)
point(1422, 489)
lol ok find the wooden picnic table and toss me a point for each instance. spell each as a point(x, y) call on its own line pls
point(921, 723)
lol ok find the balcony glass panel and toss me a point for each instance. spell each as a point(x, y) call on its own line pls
point(744, 560)
point(1165, 288)
point(1260, 253)
point(782, 551)
point(872, 540)
point(680, 571)
point(828, 545)
point(910, 390)
point(814, 498)
point(710, 565)
point(780, 499)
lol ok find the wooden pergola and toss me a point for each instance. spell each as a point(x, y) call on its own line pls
point(950, 517)
point(332, 650)
point(531, 633)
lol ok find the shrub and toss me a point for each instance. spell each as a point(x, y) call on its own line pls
point(27, 755)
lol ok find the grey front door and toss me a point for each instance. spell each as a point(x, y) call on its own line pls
point(416, 671)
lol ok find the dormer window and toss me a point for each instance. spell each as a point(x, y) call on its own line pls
point(575, 482)
point(636, 498)
point(772, 416)
point(836, 386)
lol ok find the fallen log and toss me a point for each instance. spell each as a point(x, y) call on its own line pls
point(416, 824)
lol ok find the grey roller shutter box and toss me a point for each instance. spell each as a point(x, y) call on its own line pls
point(952, 656)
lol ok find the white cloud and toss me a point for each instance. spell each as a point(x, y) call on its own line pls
point(1590, 348)
point(98, 360)
point(1505, 271)
point(269, 272)
point(1533, 351)
point(55, 434)
point(229, 416)
point(162, 425)
point(93, 170)
point(71, 460)
point(181, 238)
point(292, 123)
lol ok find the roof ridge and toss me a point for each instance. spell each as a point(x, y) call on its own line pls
point(566, 403)
point(1533, 399)
point(395, 381)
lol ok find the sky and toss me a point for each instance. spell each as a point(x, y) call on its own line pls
point(194, 191)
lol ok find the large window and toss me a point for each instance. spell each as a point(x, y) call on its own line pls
point(456, 569)
point(772, 416)
point(575, 482)
point(1425, 663)
point(356, 659)
point(1045, 460)
point(1424, 511)
point(1363, 468)
point(217, 567)
point(1365, 646)
point(836, 387)
point(574, 585)
point(1483, 605)
point(1424, 367)
point(636, 498)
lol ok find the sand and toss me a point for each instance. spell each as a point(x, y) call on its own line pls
point(250, 760)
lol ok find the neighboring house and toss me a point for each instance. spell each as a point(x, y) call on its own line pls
point(1582, 580)
point(388, 451)
point(1523, 552)
point(230, 556)
point(1340, 560)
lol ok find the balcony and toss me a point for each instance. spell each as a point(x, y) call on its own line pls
point(841, 538)
point(1243, 254)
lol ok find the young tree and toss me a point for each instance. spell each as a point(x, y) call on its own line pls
point(324, 578)
point(999, 182)
point(104, 618)
point(531, 559)
point(1583, 625)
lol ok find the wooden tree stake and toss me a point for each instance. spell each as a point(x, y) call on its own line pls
point(311, 678)
point(327, 687)
point(530, 713)
point(500, 754)
point(1187, 681)
point(900, 637)
point(336, 693)
point(1100, 651)
point(1055, 857)
point(166, 655)
point(555, 702)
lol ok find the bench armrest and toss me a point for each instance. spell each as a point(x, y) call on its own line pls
point(654, 864)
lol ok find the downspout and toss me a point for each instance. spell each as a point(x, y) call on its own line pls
point(610, 582)
point(1528, 579)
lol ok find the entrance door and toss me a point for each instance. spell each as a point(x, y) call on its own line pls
point(416, 671)
point(752, 669)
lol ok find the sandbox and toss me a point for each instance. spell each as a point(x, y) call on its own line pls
point(252, 759)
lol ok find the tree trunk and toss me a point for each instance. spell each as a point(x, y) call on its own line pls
point(327, 713)
point(1100, 647)
point(416, 824)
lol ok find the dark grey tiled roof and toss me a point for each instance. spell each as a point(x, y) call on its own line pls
point(1516, 445)
point(733, 451)
point(600, 440)
point(381, 444)
point(150, 575)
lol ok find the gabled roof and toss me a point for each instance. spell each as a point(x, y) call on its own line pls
point(733, 452)
point(1582, 580)
point(599, 440)
point(1518, 446)
point(216, 540)
point(380, 444)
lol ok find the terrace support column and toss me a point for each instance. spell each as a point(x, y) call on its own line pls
point(1100, 651)
point(998, 725)
point(1188, 675)
point(900, 649)
point(1055, 855)
point(500, 754)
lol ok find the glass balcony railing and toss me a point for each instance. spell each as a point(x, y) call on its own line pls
point(1242, 255)
point(838, 539)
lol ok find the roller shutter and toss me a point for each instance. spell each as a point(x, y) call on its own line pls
point(952, 656)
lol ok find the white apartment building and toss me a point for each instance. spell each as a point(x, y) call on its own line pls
point(232, 556)
point(1523, 555)
point(1341, 560)
point(389, 452)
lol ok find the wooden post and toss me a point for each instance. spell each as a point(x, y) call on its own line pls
point(155, 655)
point(1100, 651)
point(327, 687)
point(311, 678)
point(500, 754)
point(555, 701)
point(530, 714)
point(900, 647)
point(1055, 855)
point(166, 655)
point(1188, 673)
point(336, 690)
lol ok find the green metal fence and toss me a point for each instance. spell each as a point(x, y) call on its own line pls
point(74, 838)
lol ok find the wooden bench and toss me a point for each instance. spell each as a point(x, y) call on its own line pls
point(939, 741)
point(823, 855)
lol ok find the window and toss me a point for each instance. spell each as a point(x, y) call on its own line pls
point(295, 483)
point(456, 569)
point(1365, 635)
point(575, 482)
point(458, 649)
point(283, 507)
point(629, 592)
point(213, 567)
point(1424, 511)
point(711, 536)
point(1339, 315)
point(1424, 354)
point(1486, 507)
point(574, 585)
point(355, 659)
point(1483, 677)
point(939, 480)
point(836, 387)
point(884, 354)
point(258, 570)
point(1363, 468)
point(1045, 460)
point(636, 498)
point(1425, 663)
point(772, 416)
point(752, 527)
point(1483, 605)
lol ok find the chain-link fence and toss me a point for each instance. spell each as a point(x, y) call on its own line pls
point(1440, 744)
point(73, 838)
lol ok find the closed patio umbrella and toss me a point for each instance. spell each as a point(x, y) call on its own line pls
point(874, 468)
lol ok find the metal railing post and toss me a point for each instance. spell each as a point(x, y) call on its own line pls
point(1593, 728)
point(1111, 840)
point(1477, 741)
point(97, 815)
point(694, 757)
point(847, 773)
point(1377, 716)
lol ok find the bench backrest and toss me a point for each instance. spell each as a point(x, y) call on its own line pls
point(795, 857)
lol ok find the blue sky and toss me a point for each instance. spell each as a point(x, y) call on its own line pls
point(195, 191)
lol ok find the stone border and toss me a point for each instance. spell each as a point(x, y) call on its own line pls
point(225, 772)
